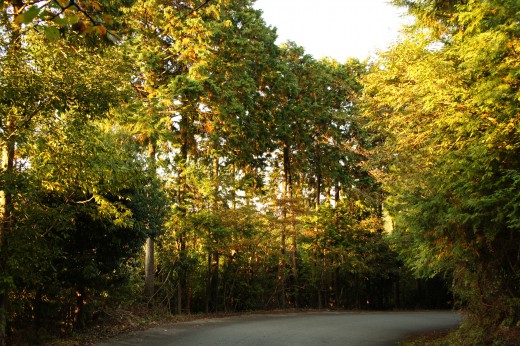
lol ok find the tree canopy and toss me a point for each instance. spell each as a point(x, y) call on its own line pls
point(444, 104)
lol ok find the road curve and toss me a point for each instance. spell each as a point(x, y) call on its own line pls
point(315, 328)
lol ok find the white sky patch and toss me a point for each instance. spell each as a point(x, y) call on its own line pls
point(335, 28)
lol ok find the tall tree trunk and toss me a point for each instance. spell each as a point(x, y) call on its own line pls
point(7, 155)
point(214, 281)
point(208, 284)
point(149, 263)
point(179, 297)
point(322, 267)
point(213, 258)
point(183, 277)
point(281, 275)
point(294, 265)
point(6, 207)
point(283, 232)
point(233, 186)
point(149, 269)
point(318, 190)
point(336, 194)
point(316, 272)
point(79, 313)
point(293, 232)
point(183, 293)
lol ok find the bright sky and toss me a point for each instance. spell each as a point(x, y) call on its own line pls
point(334, 28)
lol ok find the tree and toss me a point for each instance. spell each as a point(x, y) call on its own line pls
point(168, 44)
point(445, 102)
point(312, 144)
point(82, 222)
point(29, 52)
point(233, 133)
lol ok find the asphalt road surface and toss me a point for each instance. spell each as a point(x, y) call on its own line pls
point(323, 328)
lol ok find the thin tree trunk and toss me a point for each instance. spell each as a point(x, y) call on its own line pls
point(183, 277)
point(208, 284)
point(79, 317)
point(179, 298)
point(321, 301)
point(213, 255)
point(294, 267)
point(188, 300)
point(318, 191)
point(294, 240)
point(281, 265)
point(316, 270)
point(336, 194)
point(214, 281)
point(183, 291)
point(149, 263)
point(233, 186)
point(323, 282)
point(6, 207)
point(285, 199)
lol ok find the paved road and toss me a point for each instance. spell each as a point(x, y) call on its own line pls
point(324, 328)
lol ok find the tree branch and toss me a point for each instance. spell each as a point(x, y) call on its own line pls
point(80, 9)
point(201, 6)
point(63, 8)
point(195, 9)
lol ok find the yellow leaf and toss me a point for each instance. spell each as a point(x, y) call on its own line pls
point(19, 19)
point(96, 6)
point(102, 30)
point(107, 18)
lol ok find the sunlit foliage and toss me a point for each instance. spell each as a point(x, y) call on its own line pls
point(444, 106)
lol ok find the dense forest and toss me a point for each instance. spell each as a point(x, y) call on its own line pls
point(169, 154)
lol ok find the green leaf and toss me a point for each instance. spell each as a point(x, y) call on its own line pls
point(66, 20)
point(52, 33)
point(30, 14)
point(60, 21)
point(73, 19)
